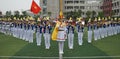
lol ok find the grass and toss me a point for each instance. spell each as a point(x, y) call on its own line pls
point(109, 46)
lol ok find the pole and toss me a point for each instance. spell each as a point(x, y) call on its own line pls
point(60, 16)
point(60, 9)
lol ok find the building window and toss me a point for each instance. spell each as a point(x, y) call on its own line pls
point(76, 7)
point(82, 7)
point(68, 2)
point(82, 2)
point(45, 2)
point(76, 1)
point(69, 7)
point(44, 10)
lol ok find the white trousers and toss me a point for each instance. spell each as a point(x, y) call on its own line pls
point(95, 35)
point(70, 40)
point(80, 38)
point(30, 36)
point(89, 36)
point(38, 38)
point(61, 46)
point(47, 40)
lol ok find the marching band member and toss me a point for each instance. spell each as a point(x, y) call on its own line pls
point(61, 36)
point(99, 28)
point(31, 30)
point(80, 30)
point(39, 32)
point(70, 31)
point(95, 29)
point(106, 27)
point(47, 33)
point(103, 26)
point(89, 25)
point(115, 26)
point(25, 28)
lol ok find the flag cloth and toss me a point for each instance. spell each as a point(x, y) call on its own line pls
point(55, 31)
point(35, 8)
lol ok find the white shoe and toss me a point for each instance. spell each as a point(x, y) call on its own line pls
point(61, 52)
point(71, 48)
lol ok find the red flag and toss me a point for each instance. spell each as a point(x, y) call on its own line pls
point(35, 8)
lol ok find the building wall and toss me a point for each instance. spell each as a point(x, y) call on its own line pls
point(116, 7)
point(70, 5)
point(107, 7)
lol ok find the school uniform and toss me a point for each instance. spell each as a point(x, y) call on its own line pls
point(47, 35)
point(80, 31)
point(61, 38)
point(89, 33)
point(38, 35)
point(70, 32)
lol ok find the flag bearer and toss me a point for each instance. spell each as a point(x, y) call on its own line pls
point(61, 35)
point(70, 31)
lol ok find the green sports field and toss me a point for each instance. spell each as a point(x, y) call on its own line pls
point(106, 48)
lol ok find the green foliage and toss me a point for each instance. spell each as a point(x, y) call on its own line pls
point(100, 14)
point(24, 13)
point(8, 13)
point(74, 14)
point(16, 13)
point(49, 13)
point(93, 14)
point(88, 13)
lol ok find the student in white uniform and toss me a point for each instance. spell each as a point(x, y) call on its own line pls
point(89, 25)
point(47, 33)
point(61, 35)
point(80, 29)
point(39, 28)
point(95, 29)
point(70, 32)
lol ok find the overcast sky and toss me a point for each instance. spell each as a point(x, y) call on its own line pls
point(13, 5)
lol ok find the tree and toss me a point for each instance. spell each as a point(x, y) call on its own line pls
point(8, 13)
point(112, 13)
point(0, 13)
point(100, 14)
point(80, 13)
point(16, 13)
point(93, 13)
point(88, 13)
point(24, 13)
point(49, 13)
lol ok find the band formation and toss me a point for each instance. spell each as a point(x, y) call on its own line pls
point(25, 28)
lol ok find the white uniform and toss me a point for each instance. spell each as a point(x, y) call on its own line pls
point(31, 32)
point(95, 32)
point(47, 34)
point(61, 38)
point(89, 33)
point(38, 35)
point(80, 31)
point(70, 30)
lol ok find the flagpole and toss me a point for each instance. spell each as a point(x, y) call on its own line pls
point(60, 9)
point(60, 16)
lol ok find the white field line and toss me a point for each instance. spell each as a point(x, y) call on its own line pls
point(87, 57)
